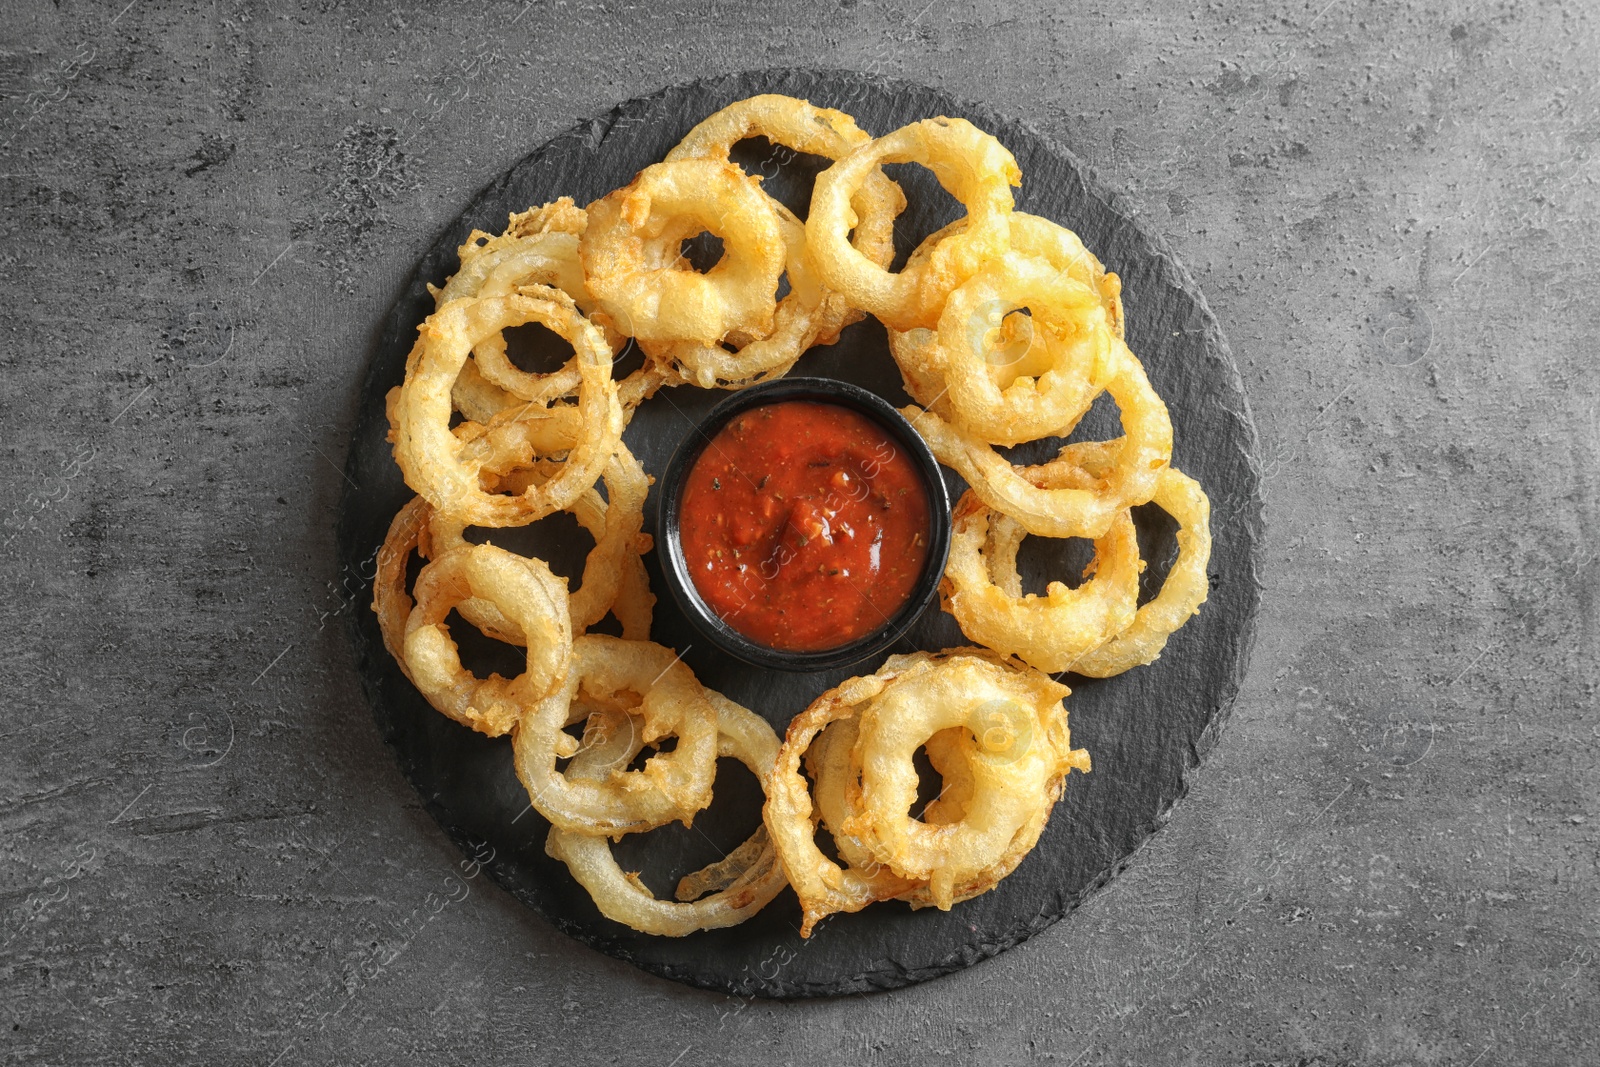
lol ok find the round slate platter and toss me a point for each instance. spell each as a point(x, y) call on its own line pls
point(1146, 730)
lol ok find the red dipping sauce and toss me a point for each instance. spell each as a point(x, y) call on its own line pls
point(804, 525)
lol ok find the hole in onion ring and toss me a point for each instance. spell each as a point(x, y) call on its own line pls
point(665, 745)
point(930, 783)
point(786, 175)
point(1005, 336)
point(1158, 547)
point(558, 539)
point(482, 655)
point(930, 207)
point(1042, 560)
point(630, 359)
point(703, 251)
point(536, 349)
point(667, 853)
point(1102, 422)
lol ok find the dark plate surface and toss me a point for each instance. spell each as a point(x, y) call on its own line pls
point(1146, 729)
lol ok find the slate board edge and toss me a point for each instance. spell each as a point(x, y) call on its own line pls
point(592, 133)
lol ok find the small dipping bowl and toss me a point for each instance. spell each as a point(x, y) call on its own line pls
point(675, 566)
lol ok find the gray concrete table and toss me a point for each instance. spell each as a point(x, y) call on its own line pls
point(210, 857)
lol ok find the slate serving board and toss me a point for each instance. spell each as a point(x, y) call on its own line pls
point(1146, 730)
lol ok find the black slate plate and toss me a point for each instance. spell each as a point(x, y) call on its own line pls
point(1147, 729)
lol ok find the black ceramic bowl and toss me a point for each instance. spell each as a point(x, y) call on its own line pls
point(670, 548)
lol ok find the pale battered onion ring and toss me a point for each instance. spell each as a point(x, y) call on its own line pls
point(611, 570)
point(527, 594)
point(1050, 632)
point(753, 874)
point(809, 314)
point(974, 167)
point(671, 702)
point(1142, 454)
point(674, 303)
point(1185, 586)
point(432, 457)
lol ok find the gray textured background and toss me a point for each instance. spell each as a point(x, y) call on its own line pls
point(209, 856)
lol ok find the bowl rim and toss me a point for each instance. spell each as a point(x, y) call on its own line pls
point(669, 547)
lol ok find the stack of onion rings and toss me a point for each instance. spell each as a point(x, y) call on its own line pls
point(995, 729)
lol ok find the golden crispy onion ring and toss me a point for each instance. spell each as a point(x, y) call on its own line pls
point(1142, 453)
point(950, 751)
point(973, 338)
point(836, 779)
point(527, 594)
point(1022, 752)
point(749, 877)
point(1023, 350)
point(1004, 752)
point(672, 786)
point(613, 568)
point(668, 303)
point(759, 356)
point(1050, 632)
point(1186, 584)
point(439, 466)
point(539, 247)
point(1052, 242)
point(974, 167)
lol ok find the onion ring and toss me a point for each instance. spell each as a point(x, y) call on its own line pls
point(431, 456)
point(974, 167)
point(614, 563)
point(527, 594)
point(1077, 345)
point(753, 874)
point(408, 532)
point(670, 303)
point(1026, 352)
point(1006, 749)
point(1142, 454)
point(671, 702)
point(1049, 632)
point(950, 752)
point(1023, 752)
point(1185, 586)
point(823, 886)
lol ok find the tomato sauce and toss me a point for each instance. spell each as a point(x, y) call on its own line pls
point(804, 525)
